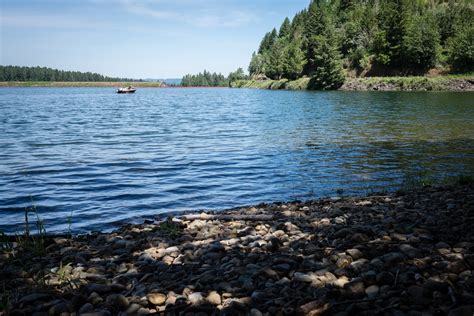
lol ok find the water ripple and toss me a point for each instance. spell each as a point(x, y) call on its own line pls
point(108, 159)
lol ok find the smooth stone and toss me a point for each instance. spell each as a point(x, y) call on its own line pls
point(156, 298)
point(302, 277)
point(392, 258)
point(133, 308)
point(255, 312)
point(372, 291)
point(359, 264)
point(214, 298)
point(99, 288)
point(196, 298)
point(411, 251)
point(355, 289)
point(33, 298)
point(341, 233)
point(282, 267)
point(354, 253)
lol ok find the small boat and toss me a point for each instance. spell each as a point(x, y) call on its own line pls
point(126, 90)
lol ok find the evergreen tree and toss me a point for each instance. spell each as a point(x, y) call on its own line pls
point(285, 29)
point(420, 44)
point(294, 58)
point(461, 49)
point(328, 73)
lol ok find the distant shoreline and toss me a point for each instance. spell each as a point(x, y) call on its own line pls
point(89, 84)
point(79, 84)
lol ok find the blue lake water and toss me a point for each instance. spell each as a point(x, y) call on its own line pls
point(109, 159)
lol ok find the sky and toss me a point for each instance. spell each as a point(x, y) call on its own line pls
point(138, 38)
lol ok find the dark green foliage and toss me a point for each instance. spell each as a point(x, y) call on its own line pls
point(204, 79)
point(285, 29)
point(420, 44)
point(461, 50)
point(386, 36)
point(207, 79)
point(328, 73)
point(294, 59)
point(16, 73)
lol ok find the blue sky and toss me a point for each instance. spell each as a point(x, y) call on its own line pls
point(138, 38)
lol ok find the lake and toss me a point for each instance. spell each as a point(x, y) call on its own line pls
point(107, 159)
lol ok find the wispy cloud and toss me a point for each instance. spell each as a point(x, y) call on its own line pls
point(200, 18)
point(47, 21)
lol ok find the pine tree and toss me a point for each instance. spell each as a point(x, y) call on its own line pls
point(294, 58)
point(285, 29)
point(420, 43)
point(328, 73)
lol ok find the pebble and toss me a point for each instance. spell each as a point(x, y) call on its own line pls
point(196, 298)
point(156, 298)
point(214, 298)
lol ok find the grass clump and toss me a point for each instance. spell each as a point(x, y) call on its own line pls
point(169, 229)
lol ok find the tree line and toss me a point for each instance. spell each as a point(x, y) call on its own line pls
point(17, 73)
point(332, 37)
point(208, 79)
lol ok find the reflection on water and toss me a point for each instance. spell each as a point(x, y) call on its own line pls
point(111, 158)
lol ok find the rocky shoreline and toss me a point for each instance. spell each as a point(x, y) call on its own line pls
point(396, 254)
point(420, 83)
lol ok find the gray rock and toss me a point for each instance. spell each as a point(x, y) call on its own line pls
point(117, 301)
point(411, 251)
point(196, 298)
point(434, 283)
point(385, 277)
point(133, 308)
point(359, 265)
point(282, 267)
point(341, 233)
point(372, 291)
point(302, 277)
point(33, 298)
point(86, 308)
point(98, 288)
point(354, 253)
point(58, 309)
point(255, 312)
point(393, 258)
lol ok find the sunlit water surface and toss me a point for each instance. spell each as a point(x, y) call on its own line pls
point(107, 159)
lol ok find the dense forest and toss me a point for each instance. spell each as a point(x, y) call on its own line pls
point(333, 39)
point(207, 79)
point(17, 73)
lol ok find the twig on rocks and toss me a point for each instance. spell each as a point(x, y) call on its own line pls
point(396, 278)
point(223, 217)
point(131, 289)
point(451, 294)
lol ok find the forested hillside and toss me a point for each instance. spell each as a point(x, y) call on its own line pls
point(333, 39)
point(16, 73)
